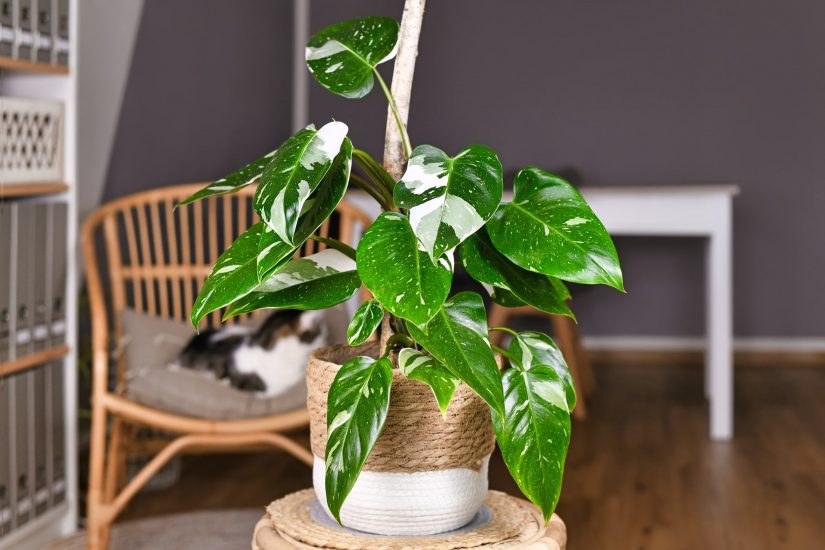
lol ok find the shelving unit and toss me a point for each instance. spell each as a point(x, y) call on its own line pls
point(36, 80)
point(30, 190)
point(31, 66)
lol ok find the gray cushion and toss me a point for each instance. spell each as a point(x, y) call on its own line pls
point(151, 343)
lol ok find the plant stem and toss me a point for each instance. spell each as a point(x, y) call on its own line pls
point(402, 128)
point(504, 329)
point(504, 353)
point(373, 169)
point(336, 244)
point(398, 338)
point(378, 194)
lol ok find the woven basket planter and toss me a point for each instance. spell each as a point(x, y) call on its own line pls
point(426, 474)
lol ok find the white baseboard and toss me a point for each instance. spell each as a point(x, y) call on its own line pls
point(767, 344)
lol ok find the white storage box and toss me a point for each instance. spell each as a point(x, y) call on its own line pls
point(31, 141)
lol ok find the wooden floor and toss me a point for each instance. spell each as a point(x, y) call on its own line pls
point(641, 473)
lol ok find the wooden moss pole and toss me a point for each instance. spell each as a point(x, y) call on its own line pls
point(395, 159)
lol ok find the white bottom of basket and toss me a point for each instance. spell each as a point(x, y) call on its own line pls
point(404, 504)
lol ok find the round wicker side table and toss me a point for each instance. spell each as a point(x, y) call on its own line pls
point(298, 521)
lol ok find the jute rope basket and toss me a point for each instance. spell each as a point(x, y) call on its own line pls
point(505, 522)
point(416, 438)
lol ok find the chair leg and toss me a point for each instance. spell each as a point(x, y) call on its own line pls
point(96, 517)
point(566, 334)
point(115, 464)
point(585, 367)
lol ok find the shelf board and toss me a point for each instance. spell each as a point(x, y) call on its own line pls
point(31, 66)
point(23, 190)
point(32, 360)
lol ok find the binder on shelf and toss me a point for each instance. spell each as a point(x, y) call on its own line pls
point(23, 281)
point(44, 31)
point(57, 272)
point(58, 434)
point(20, 387)
point(24, 30)
point(41, 280)
point(5, 456)
point(6, 28)
point(39, 439)
point(6, 267)
point(61, 41)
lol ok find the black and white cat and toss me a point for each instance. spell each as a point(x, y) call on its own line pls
point(268, 360)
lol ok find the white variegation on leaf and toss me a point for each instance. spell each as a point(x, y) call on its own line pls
point(235, 274)
point(357, 406)
point(319, 281)
point(531, 349)
point(534, 432)
point(424, 368)
point(342, 57)
point(457, 336)
point(398, 273)
point(488, 266)
point(449, 198)
point(550, 229)
point(295, 172)
point(316, 210)
point(366, 319)
point(235, 181)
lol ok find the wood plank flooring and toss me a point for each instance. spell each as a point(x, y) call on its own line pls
point(641, 473)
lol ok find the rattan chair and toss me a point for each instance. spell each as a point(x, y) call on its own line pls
point(142, 254)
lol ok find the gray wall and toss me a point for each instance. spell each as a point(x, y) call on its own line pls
point(633, 92)
point(640, 92)
point(208, 90)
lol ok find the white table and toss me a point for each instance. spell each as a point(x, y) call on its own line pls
point(677, 211)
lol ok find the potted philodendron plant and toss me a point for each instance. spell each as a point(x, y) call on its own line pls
point(403, 425)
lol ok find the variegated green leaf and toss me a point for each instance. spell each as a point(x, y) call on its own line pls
point(342, 57)
point(487, 265)
point(356, 411)
point(234, 275)
point(534, 433)
point(424, 368)
point(233, 182)
point(317, 209)
point(398, 273)
point(318, 281)
point(502, 296)
point(550, 229)
point(530, 349)
point(449, 199)
point(457, 337)
point(295, 172)
point(364, 322)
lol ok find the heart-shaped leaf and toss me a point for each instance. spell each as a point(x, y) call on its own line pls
point(457, 337)
point(534, 433)
point(293, 174)
point(398, 273)
point(235, 274)
point(550, 229)
point(364, 322)
point(233, 182)
point(318, 281)
point(424, 368)
point(530, 349)
point(317, 209)
point(449, 199)
point(487, 265)
point(356, 411)
point(342, 57)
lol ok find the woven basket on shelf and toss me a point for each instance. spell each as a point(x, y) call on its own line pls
point(426, 474)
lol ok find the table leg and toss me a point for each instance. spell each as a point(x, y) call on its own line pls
point(719, 354)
